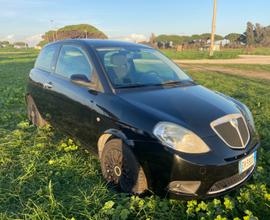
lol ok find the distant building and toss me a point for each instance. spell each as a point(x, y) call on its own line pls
point(165, 44)
point(222, 43)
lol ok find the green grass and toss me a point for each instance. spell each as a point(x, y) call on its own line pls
point(44, 175)
point(223, 54)
point(258, 51)
point(195, 54)
point(15, 50)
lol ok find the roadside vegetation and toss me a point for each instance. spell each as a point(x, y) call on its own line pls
point(46, 175)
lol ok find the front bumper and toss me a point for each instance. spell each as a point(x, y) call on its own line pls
point(186, 177)
point(210, 181)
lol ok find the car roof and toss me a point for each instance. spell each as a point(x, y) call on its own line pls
point(101, 43)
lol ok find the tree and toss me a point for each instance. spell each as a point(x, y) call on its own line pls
point(72, 31)
point(259, 33)
point(250, 34)
point(266, 36)
point(80, 31)
point(152, 39)
point(233, 37)
point(5, 42)
point(207, 36)
point(176, 39)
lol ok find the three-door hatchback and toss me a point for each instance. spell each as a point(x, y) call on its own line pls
point(152, 126)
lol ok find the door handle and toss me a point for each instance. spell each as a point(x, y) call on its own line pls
point(48, 85)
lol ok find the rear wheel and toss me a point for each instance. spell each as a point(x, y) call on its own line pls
point(121, 168)
point(33, 114)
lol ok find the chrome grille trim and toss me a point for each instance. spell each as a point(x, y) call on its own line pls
point(233, 185)
point(230, 118)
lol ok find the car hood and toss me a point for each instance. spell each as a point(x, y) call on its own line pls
point(193, 107)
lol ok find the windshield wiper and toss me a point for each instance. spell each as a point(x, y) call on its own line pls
point(168, 83)
point(136, 86)
point(177, 82)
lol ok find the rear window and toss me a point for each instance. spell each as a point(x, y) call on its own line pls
point(45, 58)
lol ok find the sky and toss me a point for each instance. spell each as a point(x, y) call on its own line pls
point(133, 20)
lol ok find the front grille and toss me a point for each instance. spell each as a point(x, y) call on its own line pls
point(230, 182)
point(233, 130)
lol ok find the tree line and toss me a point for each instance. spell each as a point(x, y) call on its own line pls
point(257, 35)
point(254, 35)
point(7, 44)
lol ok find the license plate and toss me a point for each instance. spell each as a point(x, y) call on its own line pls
point(247, 162)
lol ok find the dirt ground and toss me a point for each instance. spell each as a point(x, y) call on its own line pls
point(200, 65)
point(232, 71)
point(243, 59)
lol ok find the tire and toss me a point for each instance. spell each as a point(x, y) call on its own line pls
point(33, 114)
point(121, 168)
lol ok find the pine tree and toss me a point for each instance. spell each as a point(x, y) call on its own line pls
point(250, 34)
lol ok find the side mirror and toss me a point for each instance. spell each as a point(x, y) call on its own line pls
point(80, 79)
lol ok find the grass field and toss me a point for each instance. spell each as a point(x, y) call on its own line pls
point(223, 54)
point(44, 175)
point(195, 54)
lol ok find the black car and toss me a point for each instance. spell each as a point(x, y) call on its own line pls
point(153, 128)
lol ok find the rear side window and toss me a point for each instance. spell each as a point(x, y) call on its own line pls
point(73, 60)
point(45, 58)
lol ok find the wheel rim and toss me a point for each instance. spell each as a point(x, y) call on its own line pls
point(113, 166)
point(117, 170)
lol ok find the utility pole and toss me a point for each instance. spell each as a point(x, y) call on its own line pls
point(211, 53)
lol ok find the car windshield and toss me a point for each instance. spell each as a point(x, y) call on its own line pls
point(136, 67)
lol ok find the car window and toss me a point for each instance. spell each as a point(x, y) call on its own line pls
point(72, 60)
point(129, 67)
point(45, 58)
point(148, 63)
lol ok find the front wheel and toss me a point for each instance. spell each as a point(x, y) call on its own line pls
point(121, 168)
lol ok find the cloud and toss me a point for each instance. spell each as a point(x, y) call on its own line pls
point(10, 38)
point(132, 38)
point(33, 40)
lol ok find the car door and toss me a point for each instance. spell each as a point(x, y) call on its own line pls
point(74, 87)
point(38, 86)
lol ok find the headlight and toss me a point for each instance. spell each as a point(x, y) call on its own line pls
point(179, 138)
point(248, 115)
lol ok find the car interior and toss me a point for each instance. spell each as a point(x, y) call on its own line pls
point(132, 68)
